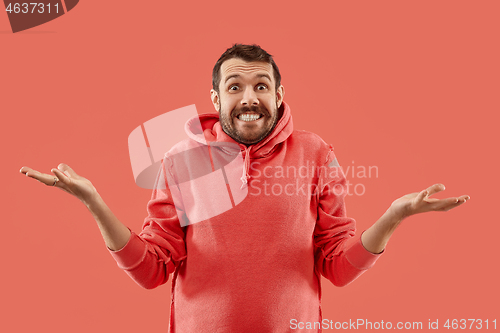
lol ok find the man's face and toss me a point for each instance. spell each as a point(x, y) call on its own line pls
point(247, 102)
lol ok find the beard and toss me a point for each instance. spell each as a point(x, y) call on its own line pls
point(245, 135)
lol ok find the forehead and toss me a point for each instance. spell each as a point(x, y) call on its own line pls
point(236, 66)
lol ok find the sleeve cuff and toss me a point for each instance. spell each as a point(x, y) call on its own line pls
point(360, 257)
point(132, 254)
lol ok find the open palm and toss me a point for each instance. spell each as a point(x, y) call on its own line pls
point(66, 179)
point(420, 202)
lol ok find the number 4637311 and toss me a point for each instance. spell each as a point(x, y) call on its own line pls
point(32, 7)
point(473, 324)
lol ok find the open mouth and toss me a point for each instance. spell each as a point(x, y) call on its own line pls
point(249, 116)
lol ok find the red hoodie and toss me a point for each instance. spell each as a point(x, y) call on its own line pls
point(255, 267)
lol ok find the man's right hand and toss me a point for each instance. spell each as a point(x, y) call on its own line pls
point(68, 180)
point(115, 233)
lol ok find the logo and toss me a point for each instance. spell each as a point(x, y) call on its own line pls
point(203, 177)
point(26, 15)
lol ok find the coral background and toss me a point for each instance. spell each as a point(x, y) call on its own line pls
point(409, 87)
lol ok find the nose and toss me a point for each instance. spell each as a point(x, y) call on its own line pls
point(249, 97)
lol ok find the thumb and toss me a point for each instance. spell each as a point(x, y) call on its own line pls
point(422, 195)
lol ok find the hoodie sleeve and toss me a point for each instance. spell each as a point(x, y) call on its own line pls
point(339, 254)
point(151, 256)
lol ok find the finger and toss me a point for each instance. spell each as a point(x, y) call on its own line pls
point(447, 204)
point(451, 206)
point(421, 196)
point(41, 177)
point(64, 182)
point(25, 170)
point(61, 176)
point(435, 189)
point(67, 170)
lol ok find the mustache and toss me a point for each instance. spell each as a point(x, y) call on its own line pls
point(254, 108)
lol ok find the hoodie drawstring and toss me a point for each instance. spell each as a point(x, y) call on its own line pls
point(246, 166)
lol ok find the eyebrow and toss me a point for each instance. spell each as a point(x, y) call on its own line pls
point(235, 76)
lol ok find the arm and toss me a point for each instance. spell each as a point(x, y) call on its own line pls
point(115, 233)
point(376, 237)
point(339, 255)
point(150, 257)
point(147, 258)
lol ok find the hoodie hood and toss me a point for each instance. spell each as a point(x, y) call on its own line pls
point(206, 129)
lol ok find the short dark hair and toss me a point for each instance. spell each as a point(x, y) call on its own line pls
point(248, 53)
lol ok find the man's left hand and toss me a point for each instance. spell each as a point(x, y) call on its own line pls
point(420, 202)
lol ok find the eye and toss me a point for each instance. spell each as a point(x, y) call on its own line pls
point(261, 86)
point(234, 87)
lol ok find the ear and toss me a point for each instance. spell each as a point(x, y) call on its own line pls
point(215, 99)
point(280, 94)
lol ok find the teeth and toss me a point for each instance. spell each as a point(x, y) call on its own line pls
point(248, 117)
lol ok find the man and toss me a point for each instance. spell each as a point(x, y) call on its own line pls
point(255, 267)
